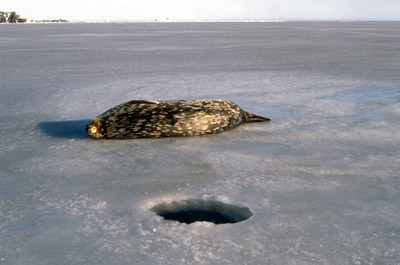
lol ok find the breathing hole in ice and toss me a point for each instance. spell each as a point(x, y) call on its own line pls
point(190, 211)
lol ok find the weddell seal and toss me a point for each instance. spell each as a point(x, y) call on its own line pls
point(152, 119)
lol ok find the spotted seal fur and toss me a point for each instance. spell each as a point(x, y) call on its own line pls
point(152, 119)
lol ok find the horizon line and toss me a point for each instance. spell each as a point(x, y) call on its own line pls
point(227, 20)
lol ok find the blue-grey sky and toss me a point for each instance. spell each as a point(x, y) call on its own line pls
point(205, 9)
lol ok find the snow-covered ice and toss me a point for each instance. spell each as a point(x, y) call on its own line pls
point(322, 178)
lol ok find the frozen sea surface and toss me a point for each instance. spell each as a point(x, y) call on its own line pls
point(322, 179)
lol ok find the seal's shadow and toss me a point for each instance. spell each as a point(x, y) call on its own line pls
point(75, 129)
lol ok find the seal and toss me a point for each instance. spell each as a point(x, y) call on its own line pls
point(153, 119)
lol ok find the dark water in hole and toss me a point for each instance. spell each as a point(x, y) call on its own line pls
point(189, 217)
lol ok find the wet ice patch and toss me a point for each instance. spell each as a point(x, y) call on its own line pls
point(368, 95)
point(190, 211)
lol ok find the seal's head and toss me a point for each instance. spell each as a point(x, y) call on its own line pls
point(95, 128)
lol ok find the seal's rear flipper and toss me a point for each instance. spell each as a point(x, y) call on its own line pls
point(254, 118)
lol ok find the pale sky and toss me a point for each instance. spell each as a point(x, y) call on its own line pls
point(79, 10)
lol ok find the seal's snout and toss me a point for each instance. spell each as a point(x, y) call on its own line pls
point(255, 118)
point(93, 128)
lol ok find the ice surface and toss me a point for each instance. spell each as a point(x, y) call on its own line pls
point(322, 178)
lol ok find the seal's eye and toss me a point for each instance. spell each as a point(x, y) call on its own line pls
point(93, 130)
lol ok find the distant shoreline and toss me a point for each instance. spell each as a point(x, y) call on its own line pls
point(63, 21)
point(14, 18)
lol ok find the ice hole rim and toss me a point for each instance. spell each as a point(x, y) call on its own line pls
point(196, 210)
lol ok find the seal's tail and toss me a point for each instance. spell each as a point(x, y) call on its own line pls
point(254, 118)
